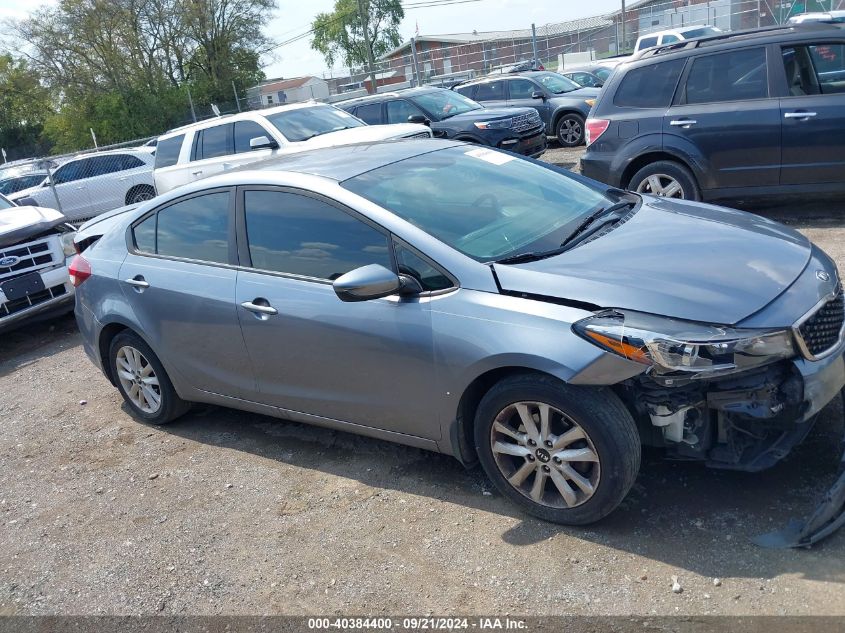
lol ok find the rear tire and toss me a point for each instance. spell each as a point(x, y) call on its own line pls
point(143, 382)
point(666, 178)
point(570, 130)
point(140, 194)
point(585, 454)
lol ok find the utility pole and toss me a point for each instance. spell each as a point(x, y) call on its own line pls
point(365, 19)
point(623, 26)
point(191, 101)
point(414, 62)
point(237, 101)
point(534, 41)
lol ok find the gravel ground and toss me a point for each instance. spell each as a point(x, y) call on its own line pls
point(233, 513)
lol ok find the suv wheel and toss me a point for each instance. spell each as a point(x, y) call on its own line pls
point(667, 179)
point(140, 194)
point(565, 454)
point(570, 130)
point(142, 381)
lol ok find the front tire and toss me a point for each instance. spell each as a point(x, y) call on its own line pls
point(565, 454)
point(570, 130)
point(142, 381)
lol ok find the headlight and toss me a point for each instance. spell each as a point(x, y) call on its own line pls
point(67, 244)
point(590, 102)
point(494, 125)
point(672, 346)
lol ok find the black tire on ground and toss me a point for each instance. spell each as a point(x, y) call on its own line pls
point(598, 411)
point(671, 169)
point(570, 130)
point(171, 406)
point(140, 193)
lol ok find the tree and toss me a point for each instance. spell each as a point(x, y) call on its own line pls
point(24, 106)
point(341, 35)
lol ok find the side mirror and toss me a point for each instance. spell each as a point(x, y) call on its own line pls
point(537, 95)
point(373, 282)
point(262, 142)
point(27, 202)
point(419, 118)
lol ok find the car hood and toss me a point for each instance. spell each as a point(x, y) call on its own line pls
point(489, 114)
point(363, 134)
point(23, 193)
point(17, 224)
point(581, 94)
point(679, 259)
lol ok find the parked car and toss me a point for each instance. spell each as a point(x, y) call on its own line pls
point(831, 17)
point(470, 301)
point(601, 68)
point(584, 79)
point(670, 36)
point(90, 184)
point(217, 145)
point(451, 115)
point(736, 116)
point(562, 104)
point(20, 181)
point(35, 247)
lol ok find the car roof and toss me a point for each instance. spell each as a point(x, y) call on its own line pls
point(407, 92)
point(341, 162)
point(765, 35)
point(134, 151)
point(521, 73)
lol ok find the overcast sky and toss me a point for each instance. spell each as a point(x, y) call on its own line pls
point(294, 18)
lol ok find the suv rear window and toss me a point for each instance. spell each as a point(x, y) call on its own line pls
point(650, 86)
point(731, 76)
point(167, 151)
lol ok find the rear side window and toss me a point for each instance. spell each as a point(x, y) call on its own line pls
point(369, 113)
point(399, 111)
point(167, 151)
point(648, 42)
point(815, 69)
point(245, 131)
point(490, 91)
point(732, 76)
point(214, 141)
point(196, 228)
point(130, 162)
point(466, 91)
point(521, 89)
point(650, 86)
point(102, 165)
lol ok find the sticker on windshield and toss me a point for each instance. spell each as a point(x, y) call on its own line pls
point(495, 158)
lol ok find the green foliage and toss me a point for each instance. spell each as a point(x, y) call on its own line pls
point(339, 35)
point(24, 106)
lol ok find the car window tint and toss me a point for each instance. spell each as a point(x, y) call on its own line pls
point(466, 90)
point(650, 86)
point(430, 277)
point(145, 235)
point(196, 228)
point(245, 131)
point(369, 113)
point(215, 141)
point(130, 162)
point(669, 39)
point(398, 111)
point(648, 42)
point(103, 165)
point(815, 69)
point(167, 151)
point(521, 88)
point(490, 90)
point(70, 172)
point(731, 76)
point(294, 234)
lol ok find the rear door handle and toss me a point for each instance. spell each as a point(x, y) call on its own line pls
point(197, 173)
point(138, 282)
point(259, 309)
point(798, 115)
point(682, 122)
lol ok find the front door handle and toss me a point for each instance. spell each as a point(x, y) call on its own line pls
point(682, 122)
point(138, 282)
point(257, 308)
point(197, 173)
point(798, 115)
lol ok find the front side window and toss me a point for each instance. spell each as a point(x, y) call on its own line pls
point(466, 90)
point(77, 170)
point(648, 42)
point(298, 235)
point(491, 90)
point(369, 113)
point(521, 89)
point(167, 151)
point(489, 204)
point(300, 124)
point(731, 76)
point(650, 86)
point(398, 111)
point(196, 228)
point(245, 131)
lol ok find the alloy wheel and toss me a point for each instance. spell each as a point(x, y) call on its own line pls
point(142, 196)
point(138, 379)
point(545, 454)
point(571, 131)
point(661, 185)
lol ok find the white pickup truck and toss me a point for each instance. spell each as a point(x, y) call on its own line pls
point(35, 247)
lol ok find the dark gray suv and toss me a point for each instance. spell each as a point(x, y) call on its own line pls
point(731, 116)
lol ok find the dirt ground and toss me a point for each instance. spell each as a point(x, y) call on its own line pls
point(232, 513)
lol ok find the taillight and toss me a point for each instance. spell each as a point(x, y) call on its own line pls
point(595, 128)
point(79, 270)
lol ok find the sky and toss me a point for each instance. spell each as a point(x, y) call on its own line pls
point(293, 17)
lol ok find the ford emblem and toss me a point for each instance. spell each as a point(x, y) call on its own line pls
point(821, 275)
point(8, 262)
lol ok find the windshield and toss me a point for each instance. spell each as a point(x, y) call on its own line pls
point(485, 203)
point(13, 185)
point(704, 31)
point(558, 84)
point(5, 203)
point(442, 104)
point(301, 124)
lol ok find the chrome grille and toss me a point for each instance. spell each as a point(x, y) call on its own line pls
point(11, 307)
point(527, 121)
point(821, 332)
point(31, 256)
